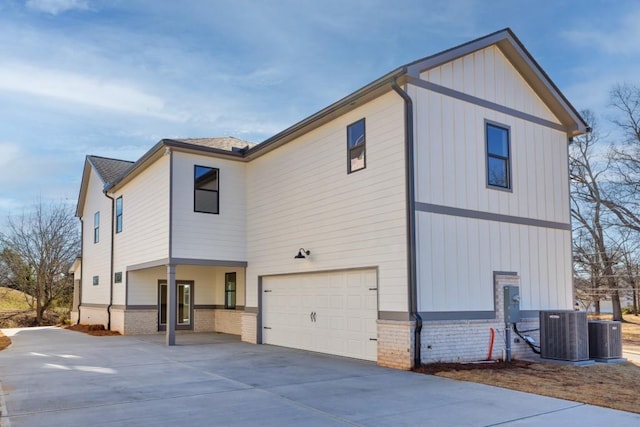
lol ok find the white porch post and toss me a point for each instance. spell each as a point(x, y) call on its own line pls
point(171, 305)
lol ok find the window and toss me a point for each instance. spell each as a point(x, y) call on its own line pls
point(117, 277)
point(119, 214)
point(498, 156)
point(96, 280)
point(356, 142)
point(206, 186)
point(96, 227)
point(230, 290)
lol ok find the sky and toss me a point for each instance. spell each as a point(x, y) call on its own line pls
point(113, 77)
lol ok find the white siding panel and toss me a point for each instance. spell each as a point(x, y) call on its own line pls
point(209, 236)
point(457, 258)
point(451, 161)
point(145, 219)
point(96, 256)
point(495, 80)
point(300, 195)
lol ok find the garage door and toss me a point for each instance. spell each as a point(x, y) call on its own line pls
point(331, 313)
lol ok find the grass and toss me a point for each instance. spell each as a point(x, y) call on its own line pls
point(614, 386)
point(13, 300)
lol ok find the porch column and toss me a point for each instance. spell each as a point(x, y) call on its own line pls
point(171, 305)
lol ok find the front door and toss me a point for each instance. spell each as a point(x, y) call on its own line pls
point(184, 306)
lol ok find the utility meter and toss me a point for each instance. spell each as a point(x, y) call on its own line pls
point(511, 304)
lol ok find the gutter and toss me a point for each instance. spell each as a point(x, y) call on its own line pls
point(81, 268)
point(411, 222)
point(113, 202)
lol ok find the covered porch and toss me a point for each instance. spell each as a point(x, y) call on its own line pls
point(190, 295)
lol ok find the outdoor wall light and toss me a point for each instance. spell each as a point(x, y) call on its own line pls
point(301, 254)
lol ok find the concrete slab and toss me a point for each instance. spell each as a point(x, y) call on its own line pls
point(51, 376)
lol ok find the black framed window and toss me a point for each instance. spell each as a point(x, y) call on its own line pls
point(117, 277)
point(356, 146)
point(230, 290)
point(119, 214)
point(96, 227)
point(96, 280)
point(206, 190)
point(498, 156)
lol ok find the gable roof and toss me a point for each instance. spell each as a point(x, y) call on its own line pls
point(225, 143)
point(117, 172)
point(504, 39)
point(109, 169)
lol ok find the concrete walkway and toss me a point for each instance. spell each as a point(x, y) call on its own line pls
point(55, 377)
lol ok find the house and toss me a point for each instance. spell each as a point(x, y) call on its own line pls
point(383, 227)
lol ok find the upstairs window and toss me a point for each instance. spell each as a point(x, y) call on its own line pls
point(206, 194)
point(96, 227)
point(498, 156)
point(119, 214)
point(356, 146)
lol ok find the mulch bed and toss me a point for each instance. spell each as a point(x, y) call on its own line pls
point(434, 368)
point(4, 341)
point(95, 330)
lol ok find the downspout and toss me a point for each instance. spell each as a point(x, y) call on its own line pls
point(113, 202)
point(81, 268)
point(411, 221)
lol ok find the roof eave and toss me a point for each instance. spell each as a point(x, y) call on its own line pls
point(526, 65)
point(349, 102)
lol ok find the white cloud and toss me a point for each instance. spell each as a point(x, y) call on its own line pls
point(55, 7)
point(620, 38)
point(72, 87)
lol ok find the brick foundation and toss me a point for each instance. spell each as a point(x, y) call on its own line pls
point(140, 322)
point(395, 344)
point(203, 320)
point(228, 321)
point(249, 328)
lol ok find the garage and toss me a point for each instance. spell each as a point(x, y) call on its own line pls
point(329, 312)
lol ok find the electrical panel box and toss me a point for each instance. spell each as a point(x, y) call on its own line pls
point(511, 304)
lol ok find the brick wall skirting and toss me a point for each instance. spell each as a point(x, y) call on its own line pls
point(395, 344)
point(249, 325)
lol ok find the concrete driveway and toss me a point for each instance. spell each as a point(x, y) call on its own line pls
point(55, 377)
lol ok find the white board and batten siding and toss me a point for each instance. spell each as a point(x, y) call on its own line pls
point(199, 235)
point(332, 313)
point(145, 220)
point(96, 256)
point(300, 195)
point(457, 255)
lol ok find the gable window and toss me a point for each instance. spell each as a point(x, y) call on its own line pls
point(119, 214)
point(498, 156)
point(230, 290)
point(356, 146)
point(117, 277)
point(96, 227)
point(206, 195)
point(96, 280)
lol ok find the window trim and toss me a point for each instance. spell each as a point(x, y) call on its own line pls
point(195, 190)
point(117, 277)
point(507, 128)
point(357, 146)
point(96, 280)
point(96, 227)
point(119, 209)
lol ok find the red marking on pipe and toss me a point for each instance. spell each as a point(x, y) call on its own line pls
point(493, 336)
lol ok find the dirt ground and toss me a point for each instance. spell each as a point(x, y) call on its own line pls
point(614, 386)
point(4, 341)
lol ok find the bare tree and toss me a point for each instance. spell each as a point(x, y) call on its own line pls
point(594, 247)
point(38, 248)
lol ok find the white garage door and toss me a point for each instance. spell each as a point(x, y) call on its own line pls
point(331, 313)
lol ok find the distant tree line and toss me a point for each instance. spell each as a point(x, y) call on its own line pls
point(605, 206)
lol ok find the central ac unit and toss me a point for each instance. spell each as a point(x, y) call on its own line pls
point(605, 340)
point(564, 335)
